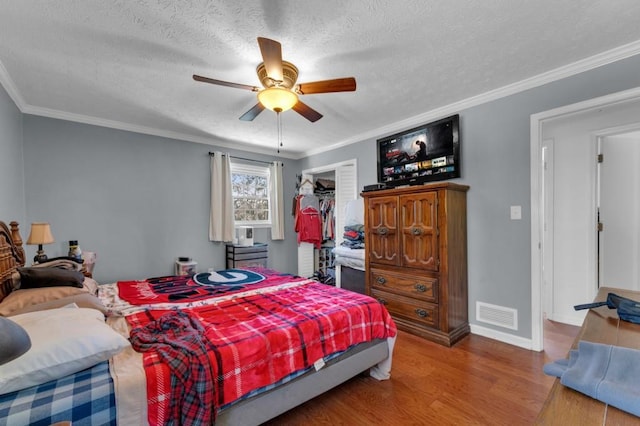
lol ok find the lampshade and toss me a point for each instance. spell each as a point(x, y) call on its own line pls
point(40, 234)
point(277, 99)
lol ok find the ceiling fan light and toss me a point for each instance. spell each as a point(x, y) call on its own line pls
point(277, 99)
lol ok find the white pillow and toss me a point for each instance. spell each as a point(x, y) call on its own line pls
point(63, 341)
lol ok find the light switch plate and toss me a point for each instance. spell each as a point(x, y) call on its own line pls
point(516, 212)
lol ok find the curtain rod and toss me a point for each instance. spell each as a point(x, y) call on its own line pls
point(212, 154)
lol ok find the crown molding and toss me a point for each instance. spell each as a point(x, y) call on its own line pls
point(25, 108)
point(118, 125)
point(601, 59)
point(11, 88)
point(610, 56)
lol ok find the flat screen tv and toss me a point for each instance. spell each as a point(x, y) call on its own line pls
point(423, 154)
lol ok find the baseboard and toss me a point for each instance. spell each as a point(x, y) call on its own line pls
point(576, 319)
point(501, 336)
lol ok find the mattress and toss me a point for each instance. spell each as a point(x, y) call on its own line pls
point(350, 253)
point(352, 258)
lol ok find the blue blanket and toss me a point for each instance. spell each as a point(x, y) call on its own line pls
point(610, 374)
point(86, 398)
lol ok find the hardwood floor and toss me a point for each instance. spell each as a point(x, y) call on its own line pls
point(479, 381)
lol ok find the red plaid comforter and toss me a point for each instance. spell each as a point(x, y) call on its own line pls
point(259, 339)
point(178, 338)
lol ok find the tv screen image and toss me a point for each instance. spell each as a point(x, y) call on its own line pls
point(427, 153)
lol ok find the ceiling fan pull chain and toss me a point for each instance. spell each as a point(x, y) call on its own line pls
point(279, 124)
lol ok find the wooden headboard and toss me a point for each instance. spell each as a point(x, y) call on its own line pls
point(11, 255)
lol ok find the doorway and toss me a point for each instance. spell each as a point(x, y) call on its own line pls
point(346, 189)
point(569, 137)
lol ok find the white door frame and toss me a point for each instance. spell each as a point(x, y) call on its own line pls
point(305, 250)
point(334, 168)
point(537, 203)
point(330, 167)
point(546, 207)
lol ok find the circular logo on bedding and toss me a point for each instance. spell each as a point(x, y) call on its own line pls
point(228, 277)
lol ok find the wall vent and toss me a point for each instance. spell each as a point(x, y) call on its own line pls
point(497, 315)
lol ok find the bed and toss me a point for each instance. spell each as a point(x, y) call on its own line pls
point(124, 386)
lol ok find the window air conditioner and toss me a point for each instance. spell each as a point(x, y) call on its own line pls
point(244, 235)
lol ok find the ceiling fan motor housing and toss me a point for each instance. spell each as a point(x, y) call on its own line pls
point(289, 75)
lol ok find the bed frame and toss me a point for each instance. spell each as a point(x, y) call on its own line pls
point(11, 255)
point(254, 410)
point(265, 406)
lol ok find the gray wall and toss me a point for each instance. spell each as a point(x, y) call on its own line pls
point(495, 150)
point(12, 198)
point(138, 201)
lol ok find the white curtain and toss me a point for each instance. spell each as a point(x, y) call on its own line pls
point(277, 200)
point(221, 213)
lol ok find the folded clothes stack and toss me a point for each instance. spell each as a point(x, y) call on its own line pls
point(354, 236)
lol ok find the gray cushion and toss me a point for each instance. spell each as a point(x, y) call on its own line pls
point(14, 340)
point(49, 277)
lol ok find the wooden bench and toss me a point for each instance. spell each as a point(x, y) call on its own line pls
point(565, 406)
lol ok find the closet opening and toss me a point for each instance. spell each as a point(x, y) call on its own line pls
point(329, 188)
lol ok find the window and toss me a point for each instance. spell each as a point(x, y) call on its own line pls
point(250, 192)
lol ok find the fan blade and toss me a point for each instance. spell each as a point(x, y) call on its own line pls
point(307, 112)
point(347, 84)
point(252, 113)
point(272, 56)
point(225, 83)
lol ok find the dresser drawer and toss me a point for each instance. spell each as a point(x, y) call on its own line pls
point(248, 256)
point(256, 248)
point(247, 263)
point(424, 288)
point(411, 309)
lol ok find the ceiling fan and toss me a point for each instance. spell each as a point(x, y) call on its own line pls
point(280, 91)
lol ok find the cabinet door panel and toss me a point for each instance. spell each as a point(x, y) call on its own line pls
point(382, 230)
point(419, 230)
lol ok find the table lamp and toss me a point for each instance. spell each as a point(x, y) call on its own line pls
point(40, 234)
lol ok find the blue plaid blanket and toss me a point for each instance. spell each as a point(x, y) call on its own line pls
point(85, 398)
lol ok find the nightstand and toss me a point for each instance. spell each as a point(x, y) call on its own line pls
point(246, 256)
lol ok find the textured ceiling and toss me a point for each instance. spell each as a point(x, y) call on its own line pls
point(128, 63)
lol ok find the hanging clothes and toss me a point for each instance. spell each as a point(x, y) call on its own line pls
point(309, 200)
point(308, 223)
point(327, 208)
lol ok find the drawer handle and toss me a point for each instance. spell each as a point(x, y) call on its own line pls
point(383, 230)
point(416, 231)
point(422, 313)
point(382, 301)
point(381, 280)
point(420, 287)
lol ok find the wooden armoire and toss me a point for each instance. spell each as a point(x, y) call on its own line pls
point(416, 258)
